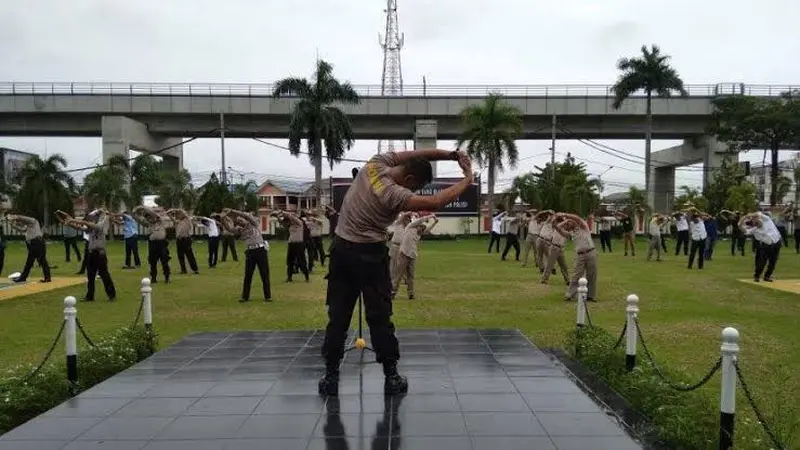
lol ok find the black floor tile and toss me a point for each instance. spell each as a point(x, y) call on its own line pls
point(481, 389)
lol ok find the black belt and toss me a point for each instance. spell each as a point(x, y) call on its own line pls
point(372, 247)
point(557, 245)
point(257, 246)
point(586, 251)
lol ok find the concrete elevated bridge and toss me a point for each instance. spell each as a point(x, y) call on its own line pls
point(149, 116)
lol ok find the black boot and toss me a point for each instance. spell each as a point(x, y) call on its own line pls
point(394, 384)
point(329, 383)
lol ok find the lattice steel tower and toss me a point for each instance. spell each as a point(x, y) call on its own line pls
point(392, 77)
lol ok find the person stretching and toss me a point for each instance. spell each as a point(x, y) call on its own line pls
point(37, 250)
point(555, 253)
point(295, 254)
point(407, 254)
point(96, 224)
point(158, 246)
point(585, 255)
point(256, 255)
point(183, 239)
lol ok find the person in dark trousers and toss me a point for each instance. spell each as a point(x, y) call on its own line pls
point(359, 257)
point(768, 243)
point(712, 235)
point(183, 239)
point(296, 253)
point(737, 235)
point(256, 250)
point(780, 218)
point(229, 237)
point(212, 231)
point(2, 249)
point(70, 243)
point(315, 226)
point(130, 233)
point(604, 225)
point(333, 218)
point(796, 226)
point(308, 248)
point(37, 249)
point(512, 236)
point(95, 225)
point(158, 247)
point(628, 234)
point(497, 231)
point(698, 235)
point(682, 224)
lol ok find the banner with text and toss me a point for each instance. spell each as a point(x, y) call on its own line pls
point(465, 205)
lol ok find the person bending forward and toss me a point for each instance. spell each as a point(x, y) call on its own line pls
point(256, 251)
point(407, 254)
point(37, 249)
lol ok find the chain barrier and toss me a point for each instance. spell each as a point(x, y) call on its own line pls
point(588, 317)
point(670, 383)
point(621, 335)
point(47, 356)
point(83, 332)
point(759, 415)
point(138, 313)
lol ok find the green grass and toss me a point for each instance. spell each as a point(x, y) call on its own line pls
point(459, 285)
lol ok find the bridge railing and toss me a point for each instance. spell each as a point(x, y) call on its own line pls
point(265, 90)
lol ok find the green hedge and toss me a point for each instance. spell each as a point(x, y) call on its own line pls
point(22, 400)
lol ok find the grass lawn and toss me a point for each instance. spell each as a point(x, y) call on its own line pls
point(459, 285)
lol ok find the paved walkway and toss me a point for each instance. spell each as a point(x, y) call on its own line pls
point(470, 389)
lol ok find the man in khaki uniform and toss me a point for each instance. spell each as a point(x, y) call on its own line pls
point(555, 252)
point(585, 255)
point(531, 239)
point(407, 253)
point(545, 235)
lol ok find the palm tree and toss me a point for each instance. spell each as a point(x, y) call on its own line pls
point(107, 185)
point(490, 132)
point(580, 194)
point(44, 187)
point(651, 73)
point(315, 118)
point(176, 191)
point(690, 196)
point(146, 175)
point(244, 195)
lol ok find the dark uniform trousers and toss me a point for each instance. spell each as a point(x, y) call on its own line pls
point(229, 242)
point(737, 242)
point(213, 250)
point(766, 256)
point(71, 243)
point(511, 241)
point(311, 252)
point(185, 252)
point(256, 258)
point(37, 252)
point(359, 268)
point(97, 264)
point(296, 258)
point(319, 250)
point(82, 270)
point(132, 249)
point(158, 252)
point(698, 249)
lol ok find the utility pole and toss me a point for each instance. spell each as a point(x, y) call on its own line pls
point(392, 76)
point(553, 149)
point(223, 174)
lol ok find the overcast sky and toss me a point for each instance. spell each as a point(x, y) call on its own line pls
point(447, 41)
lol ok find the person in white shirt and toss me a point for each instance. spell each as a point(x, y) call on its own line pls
point(654, 229)
point(497, 231)
point(697, 231)
point(604, 225)
point(682, 224)
point(212, 232)
point(511, 225)
point(767, 239)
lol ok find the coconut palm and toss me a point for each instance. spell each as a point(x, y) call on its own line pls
point(489, 137)
point(580, 194)
point(146, 175)
point(244, 195)
point(45, 186)
point(316, 119)
point(176, 190)
point(651, 73)
point(107, 186)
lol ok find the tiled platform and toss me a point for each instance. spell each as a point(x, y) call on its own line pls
point(469, 389)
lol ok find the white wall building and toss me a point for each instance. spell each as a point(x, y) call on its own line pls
point(760, 177)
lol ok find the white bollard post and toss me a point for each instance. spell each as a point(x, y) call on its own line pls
point(727, 406)
point(71, 339)
point(147, 305)
point(631, 313)
point(582, 291)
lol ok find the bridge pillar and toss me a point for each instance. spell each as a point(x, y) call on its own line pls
point(122, 134)
point(664, 191)
point(425, 136)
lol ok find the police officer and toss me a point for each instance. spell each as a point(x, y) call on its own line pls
point(183, 239)
point(359, 260)
point(37, 250)
point(246, 227)
point(96, 258)
point(158, 247)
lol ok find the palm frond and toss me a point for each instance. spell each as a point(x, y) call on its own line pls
point(292, 87)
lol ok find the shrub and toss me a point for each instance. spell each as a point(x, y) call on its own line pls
point(22, 399)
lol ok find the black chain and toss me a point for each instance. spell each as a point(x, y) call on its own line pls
point(670, 383)
point(83, 332)
point(621, 335)
point(138, 313)
point(49, 352)
point(586, 309)
point(759, 415)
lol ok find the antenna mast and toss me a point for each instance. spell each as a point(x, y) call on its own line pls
point(392, 77)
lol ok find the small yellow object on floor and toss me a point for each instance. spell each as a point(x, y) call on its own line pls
point(9, 289)
point(361, 343)
point(792, 286)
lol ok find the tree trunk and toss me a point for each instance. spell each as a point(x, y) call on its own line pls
point(649, 188)
point(773, 176)
point(45, 216)
point(490, 186)
point(318, 175)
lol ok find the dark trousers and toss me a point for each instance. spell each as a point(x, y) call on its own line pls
point(311, 253)
point(132, 249)
point(784, 235)
point(185, 252)
point(737, 242)
point(82, 270)
point(683, 239)
point(296, 258)
point(494, 240)
point(256, 258)
point(359, 268)
point(37, 252)
point(698, 249)
point(158, 252)
point(97, 264)
point(229, 242)
point(319, 250)
point(766, 256)
point(2, 256)
point(797, 240)
point(605, 240)
point(71, 243)
point(511, 241)
point(213, 250)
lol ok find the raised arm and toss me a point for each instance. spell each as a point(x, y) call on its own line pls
point(541, 214)
point(235, 213)
point(560, 227)
point(430, 226)
point(575, 218)
point(419, 221)
point(445, 196)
